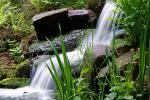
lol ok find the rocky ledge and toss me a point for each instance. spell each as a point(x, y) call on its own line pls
point(49, 24)
point(71, 41)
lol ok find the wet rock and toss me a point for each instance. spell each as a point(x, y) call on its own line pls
point(97, 55)
point(122, 50)
point(96, 58)
point(36, 61)
point(79, 19)
point(40, 59)
point(48, 24)
point(100, 54)
point(122, 62)
point(43, 48)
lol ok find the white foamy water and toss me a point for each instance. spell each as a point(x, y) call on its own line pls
point(26, 93)
point(42, 84)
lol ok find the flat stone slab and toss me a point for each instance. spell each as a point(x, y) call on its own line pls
point(121, 62)
point(50, 13)
point(49, 24)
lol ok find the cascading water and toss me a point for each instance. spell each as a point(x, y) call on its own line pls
point(42, 83)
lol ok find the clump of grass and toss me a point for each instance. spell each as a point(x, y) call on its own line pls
point(65, 88)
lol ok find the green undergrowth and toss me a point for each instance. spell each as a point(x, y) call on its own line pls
point(14, 82)
point(55, 4)
point(15, 75)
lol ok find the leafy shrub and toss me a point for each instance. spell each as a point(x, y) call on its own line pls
point(136, 21)
point(122, 91)
point(45, 4)
point(136, 18)
point(13, 15)
point(15, 50)
point(14, 82)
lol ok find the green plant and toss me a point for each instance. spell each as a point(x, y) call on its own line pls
point(68, 87)
point(122, 91)
point(65, 88)
point(45, 4)
point(4, 13)
point(77, 3)
point(136, 21)
point(15, 50)
point(19, 24)
point(40, 4)
point(15, 17)
point(135, 18)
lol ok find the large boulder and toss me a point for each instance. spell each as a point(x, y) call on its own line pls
point(122, 62)
point(46, 24)
point(49, 24)
point(79, 19)
point(99, 56)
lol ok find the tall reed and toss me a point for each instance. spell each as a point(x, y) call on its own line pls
point(65, 85)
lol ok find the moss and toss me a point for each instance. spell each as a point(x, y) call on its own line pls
point(2, 75)
point(14, 82)
point(120, 42)
point(23, 69)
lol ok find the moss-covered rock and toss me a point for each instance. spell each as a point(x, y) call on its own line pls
point(23, 69)
point(2, 75)
point(14, 82)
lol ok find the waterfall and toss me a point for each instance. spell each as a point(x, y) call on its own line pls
point(42, 83)
point(103, 35)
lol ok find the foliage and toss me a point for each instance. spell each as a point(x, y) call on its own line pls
point(53, 4)
point(136, 20)
point(14, 82)
point(41, 4)
point(15, 50)
point(77, 3)
point(122, 91)
point(66, 88)
point(13, 16)
point(69, 88)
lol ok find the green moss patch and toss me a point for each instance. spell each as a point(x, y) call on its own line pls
point(14, 82)
point(23, 69)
